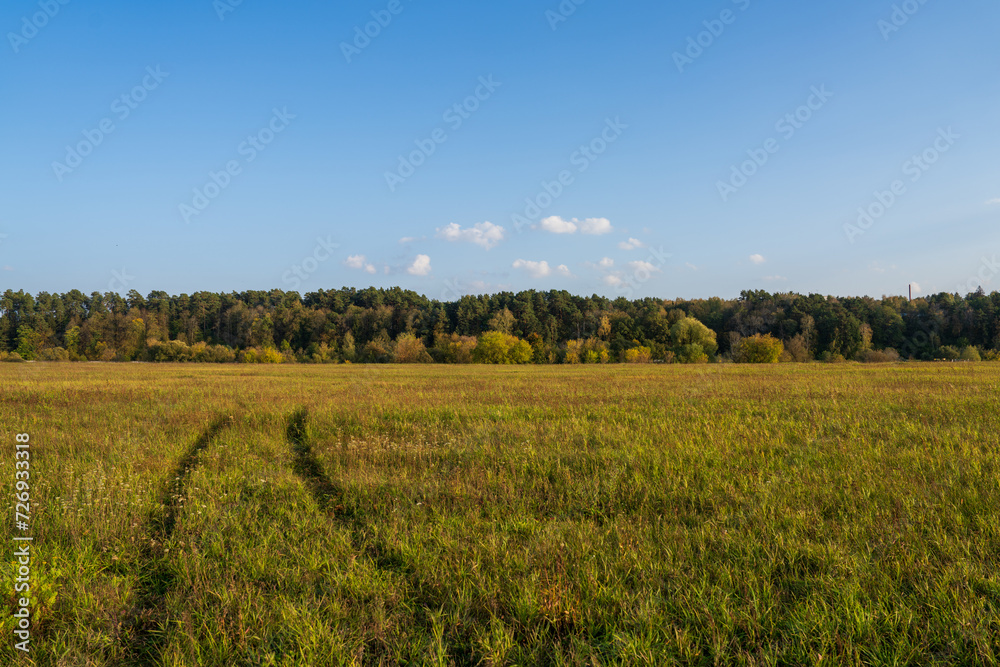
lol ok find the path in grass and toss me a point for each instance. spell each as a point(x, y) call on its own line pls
point(155, 577)
point(329, 496)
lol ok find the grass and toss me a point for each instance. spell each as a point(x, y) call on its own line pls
point(724, 515)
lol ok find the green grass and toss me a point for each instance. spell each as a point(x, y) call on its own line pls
point(722, 515)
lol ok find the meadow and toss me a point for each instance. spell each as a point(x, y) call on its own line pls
point(799, 514)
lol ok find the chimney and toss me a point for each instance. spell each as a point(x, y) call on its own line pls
point(911, 291)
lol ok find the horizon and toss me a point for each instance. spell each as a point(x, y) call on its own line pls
point(579, 146)
point(456, 297)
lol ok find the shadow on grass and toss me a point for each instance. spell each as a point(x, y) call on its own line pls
point(156, 577)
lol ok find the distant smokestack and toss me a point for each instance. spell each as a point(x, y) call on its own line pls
point(911, 291)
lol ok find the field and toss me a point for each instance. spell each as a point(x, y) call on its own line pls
point(630, 515)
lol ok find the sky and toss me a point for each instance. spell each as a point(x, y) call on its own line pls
point(638, 148)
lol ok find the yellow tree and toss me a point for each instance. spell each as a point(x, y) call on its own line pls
point(760, 350)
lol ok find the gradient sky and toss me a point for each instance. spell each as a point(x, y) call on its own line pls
point(114, 221)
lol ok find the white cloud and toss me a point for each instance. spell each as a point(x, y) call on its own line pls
point(563, 270)
point(534, 269)
point(604, 265)
point(421, 266)
point(484, 234)
point(637, 270)
point(407, 239)
point(557, 225)
point(8, 268)
point(644, 267)
point(691, 266)
point(593, 226)
point(631, 244)
point(994, 201)
point(757, 259)
point(359, 262)
point(916, 288)
point(596, 226)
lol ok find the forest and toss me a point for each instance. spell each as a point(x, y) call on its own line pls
point(375, 325)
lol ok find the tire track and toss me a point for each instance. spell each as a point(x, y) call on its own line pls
point(305, 464)
point(330, 498)
point(155, 575)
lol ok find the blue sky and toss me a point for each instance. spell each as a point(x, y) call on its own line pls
point(259, 145)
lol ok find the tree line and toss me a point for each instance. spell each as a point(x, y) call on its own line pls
point(394, 325)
